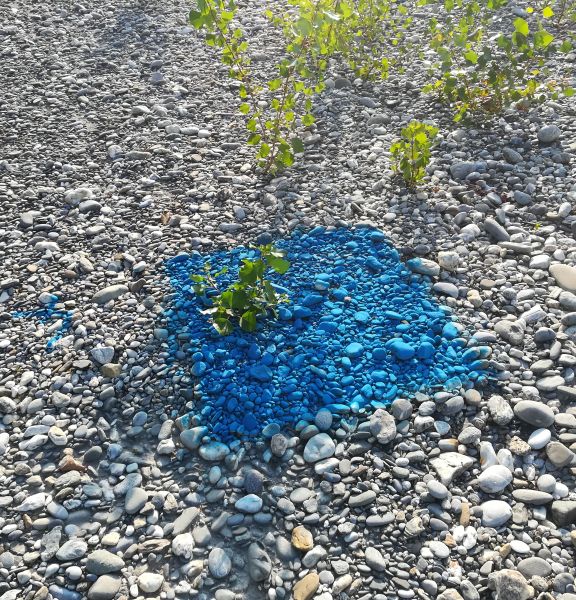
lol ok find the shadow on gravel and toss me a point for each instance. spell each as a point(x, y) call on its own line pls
point(136, 23)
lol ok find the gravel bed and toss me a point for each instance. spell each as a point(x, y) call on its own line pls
point(121, 149)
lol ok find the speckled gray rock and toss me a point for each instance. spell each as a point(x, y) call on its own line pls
point(549, 134)
point(512, 585)
point(500, 410)
point(382, 426)
point(72, 550)
point(511, 331)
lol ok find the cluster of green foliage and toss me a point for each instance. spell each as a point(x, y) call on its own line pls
point(478, 70)
point(478, 59)
point(249, 297)
point(411, 153)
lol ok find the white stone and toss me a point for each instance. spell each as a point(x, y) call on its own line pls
point(449, 260)
point(33, 502)
point(319, 447)
point(451, 464)
point(494, 479)
point(565, 276)
point(495, 513)
point(488, 456)
point(150, 582)
point(182, 545)
point(539, 438)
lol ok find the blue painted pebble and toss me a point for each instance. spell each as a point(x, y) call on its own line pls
point(354, 350)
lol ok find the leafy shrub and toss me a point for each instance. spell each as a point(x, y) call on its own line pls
point(411, 153)
point(479, 70)
point(478, 59)
point(272, 110)
point(248, 298)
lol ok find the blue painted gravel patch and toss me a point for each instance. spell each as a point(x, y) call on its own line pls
point(45, 315)
point(360, 331)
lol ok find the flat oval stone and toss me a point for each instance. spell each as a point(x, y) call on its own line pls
point(532, 497)
point(319, 447)
point(529, 567)
point(214, 451)
point(495, 513)
point(539, 438)
point(565, 276)
point(250, 503)
point(534, 413)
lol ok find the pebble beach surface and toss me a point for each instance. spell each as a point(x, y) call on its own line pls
point(121, 149)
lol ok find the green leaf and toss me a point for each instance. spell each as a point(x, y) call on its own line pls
point(297, 145)
point(303, 26)
point(274, 84)
point(270, 293)
point(197, 278)
point(264, 150)
point(239, 299)
point(521, 26)
point(345, 9)
point(247, 273)
point(223, 326)
point(471, 57)
point(244, 108)
point(330, 16)
point(280, 265)
point(307, 120)
point(196, 19)
point(248, 321)
point(225, 299)
point(548, 12)
point(254, 138)
point(569, 92)
point(542, 39)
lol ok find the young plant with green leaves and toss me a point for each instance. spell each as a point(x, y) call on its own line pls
point(359, 31)
point(411, 153)
point(370, 35)
point(251, 296)
point(275, 108)
point(480, 66)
